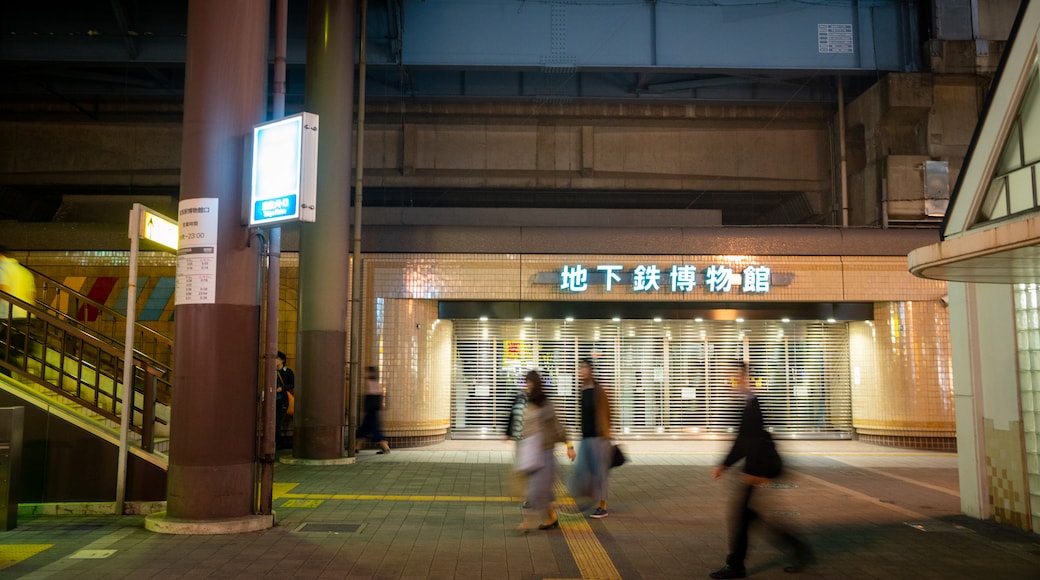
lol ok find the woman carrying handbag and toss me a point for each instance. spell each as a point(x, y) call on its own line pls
point(542, 431)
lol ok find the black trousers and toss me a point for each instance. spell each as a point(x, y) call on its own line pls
point(743, 516)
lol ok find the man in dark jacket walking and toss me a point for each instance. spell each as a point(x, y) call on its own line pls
point(761, 464)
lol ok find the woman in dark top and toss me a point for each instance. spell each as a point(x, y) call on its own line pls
point(286, 383)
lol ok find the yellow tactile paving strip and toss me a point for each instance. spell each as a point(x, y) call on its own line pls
point(590, 556)
point(11, 554)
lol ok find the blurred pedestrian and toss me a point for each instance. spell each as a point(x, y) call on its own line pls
point(762, 463)
point(593, 460)
point(17, 281)
point(372, 426)
point(542, 430)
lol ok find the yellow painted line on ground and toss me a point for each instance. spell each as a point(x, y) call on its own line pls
point(590, 556)
point(280, 489)
point(371, 497)
point(302, 503)
point(11, 554)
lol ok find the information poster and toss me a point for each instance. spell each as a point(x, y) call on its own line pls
point(197, 253)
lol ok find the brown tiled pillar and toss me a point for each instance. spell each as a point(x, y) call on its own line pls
point(325, 244)
point(213, 425)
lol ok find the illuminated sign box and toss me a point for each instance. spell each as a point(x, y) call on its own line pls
point(284, 170)
point(157, 228)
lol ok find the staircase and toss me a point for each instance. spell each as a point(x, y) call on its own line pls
point(73, 366)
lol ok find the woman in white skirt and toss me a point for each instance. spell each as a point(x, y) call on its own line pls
point(542, 431)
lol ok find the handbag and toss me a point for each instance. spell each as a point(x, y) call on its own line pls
point(618, 458)
point(292, 403)
point(529, 456)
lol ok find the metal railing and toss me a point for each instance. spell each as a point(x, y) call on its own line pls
point(81, 311)
point(82, 366)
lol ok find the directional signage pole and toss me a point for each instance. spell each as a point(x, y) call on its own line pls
point(163, 231)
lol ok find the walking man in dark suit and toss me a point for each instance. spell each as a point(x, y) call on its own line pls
point(761, 464)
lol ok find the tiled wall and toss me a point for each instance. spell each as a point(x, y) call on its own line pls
point(513, 277)
point(1006, 475)
point(902, 378)
point(904, 394)
point(408, 344)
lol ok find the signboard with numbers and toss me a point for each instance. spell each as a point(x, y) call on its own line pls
point(197, 255)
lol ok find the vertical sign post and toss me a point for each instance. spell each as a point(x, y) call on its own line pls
point(283, 188)
point(154, 227)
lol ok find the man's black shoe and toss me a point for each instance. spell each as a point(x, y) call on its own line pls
point(728, 571)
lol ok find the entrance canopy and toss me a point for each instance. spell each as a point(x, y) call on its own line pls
point(1009, 254)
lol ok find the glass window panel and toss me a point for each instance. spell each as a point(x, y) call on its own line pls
point(1030, 113)
point(1010, 157)
point(995, 204)
point(1029, 384)
point(1020, 187)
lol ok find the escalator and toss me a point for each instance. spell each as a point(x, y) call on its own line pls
point(60, 358)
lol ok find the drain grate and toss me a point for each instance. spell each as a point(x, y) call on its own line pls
point(324, 528)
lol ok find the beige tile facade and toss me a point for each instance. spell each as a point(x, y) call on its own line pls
point(903, 389)
point(902, 373)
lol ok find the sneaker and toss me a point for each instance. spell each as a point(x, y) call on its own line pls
point(728, 571)
point(599, 513)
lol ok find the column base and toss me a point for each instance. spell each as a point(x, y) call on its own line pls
point(158, 522)
point(290, 460)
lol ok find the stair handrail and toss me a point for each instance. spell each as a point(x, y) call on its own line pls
point(151, 371)
point(46, 311)
point(147, 330)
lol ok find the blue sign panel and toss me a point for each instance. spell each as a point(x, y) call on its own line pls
point(274, 208)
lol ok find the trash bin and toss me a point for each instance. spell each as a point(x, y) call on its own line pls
point(11, 422)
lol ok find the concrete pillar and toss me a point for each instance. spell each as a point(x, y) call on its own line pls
point(321, 378)
point(213, 419)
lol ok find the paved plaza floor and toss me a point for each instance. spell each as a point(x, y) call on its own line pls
point(450, 511)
